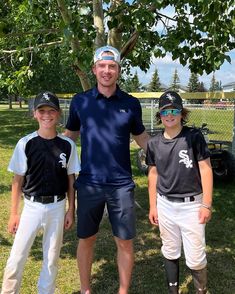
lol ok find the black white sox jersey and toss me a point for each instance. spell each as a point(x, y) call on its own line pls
point(45, 164)
point(176, 161)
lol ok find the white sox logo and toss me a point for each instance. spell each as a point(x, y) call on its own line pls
point(170, 97)
point(46, 97)
point(63, 160)
point(185, 159)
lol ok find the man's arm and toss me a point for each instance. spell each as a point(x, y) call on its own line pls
point(142, 140)
point(72, 134)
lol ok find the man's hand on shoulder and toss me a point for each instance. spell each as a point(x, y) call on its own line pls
point(142, 140)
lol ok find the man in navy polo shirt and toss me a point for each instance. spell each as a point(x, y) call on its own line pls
point(105, 117)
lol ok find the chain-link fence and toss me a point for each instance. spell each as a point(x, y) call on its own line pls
point(64, 104)
point(218, 116)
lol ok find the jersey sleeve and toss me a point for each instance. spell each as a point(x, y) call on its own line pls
point(200, 147)
point(150, 154)
point(18, 161)
point(74, 162)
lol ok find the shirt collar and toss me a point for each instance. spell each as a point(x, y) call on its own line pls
point(98, 95)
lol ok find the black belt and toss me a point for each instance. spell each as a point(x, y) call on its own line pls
point(184, 199)
point(45, 199)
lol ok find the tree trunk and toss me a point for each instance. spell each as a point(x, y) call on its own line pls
point(115, 34)
point(98, 17)
point(10, 101)
point(74, 45)
point(20, 102)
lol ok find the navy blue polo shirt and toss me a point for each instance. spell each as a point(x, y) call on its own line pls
point(105, 125)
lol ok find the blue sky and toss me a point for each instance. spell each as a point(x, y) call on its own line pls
point(167, 66)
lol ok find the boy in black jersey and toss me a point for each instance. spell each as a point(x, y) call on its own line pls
point(180, 185)
point(44, 164)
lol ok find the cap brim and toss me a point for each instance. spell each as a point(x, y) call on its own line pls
point(171, 104)
point(167, 105)
point(47, 104)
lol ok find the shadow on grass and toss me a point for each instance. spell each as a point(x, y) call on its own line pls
point(15, 123)
point(148, 275)
point(5, 188)
point(4, 241)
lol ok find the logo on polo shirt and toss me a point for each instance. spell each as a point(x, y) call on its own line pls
point(123, 110)
point(63, 160)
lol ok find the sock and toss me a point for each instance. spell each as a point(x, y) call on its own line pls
point(172, 274)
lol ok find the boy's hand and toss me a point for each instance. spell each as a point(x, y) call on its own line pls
point(68, 220)
point(13, 223)
point(153, 216)
point(204, 215)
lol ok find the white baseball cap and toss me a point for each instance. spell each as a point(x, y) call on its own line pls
point(99, 54)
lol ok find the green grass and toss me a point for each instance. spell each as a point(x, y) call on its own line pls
point(148, 275)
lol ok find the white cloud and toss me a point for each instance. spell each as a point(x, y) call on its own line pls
point(166, 60)
point(166, 67)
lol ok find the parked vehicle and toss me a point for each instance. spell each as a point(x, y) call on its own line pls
point(224, 104)
point(221, 105)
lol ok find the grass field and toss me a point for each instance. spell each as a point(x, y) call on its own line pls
point(148, 275)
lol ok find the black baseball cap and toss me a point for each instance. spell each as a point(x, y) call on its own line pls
point(46, 99)
point(170, 98)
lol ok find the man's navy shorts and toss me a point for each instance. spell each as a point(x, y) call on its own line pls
point(121, 210)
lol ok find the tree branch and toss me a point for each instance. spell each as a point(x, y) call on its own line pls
point(129, 45)
point(30, 48)
point(42, 31)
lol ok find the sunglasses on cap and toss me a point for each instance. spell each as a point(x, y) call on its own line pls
point(166, 112)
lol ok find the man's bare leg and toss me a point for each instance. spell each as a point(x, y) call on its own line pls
point(125, 261)
point(84, 259)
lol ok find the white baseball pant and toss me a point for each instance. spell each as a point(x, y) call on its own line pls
point(179, 223)
point(36, 216)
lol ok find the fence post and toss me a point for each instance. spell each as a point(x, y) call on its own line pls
point(233, 141)
point(152, 114)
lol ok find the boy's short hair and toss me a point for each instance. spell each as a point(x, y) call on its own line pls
point(46, 99)
point(99, 54)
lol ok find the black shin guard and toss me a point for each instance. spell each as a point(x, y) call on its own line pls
point(200, 280)
point(172, 274)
